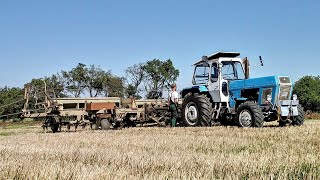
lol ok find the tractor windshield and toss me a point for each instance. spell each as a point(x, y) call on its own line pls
point(201, 74)
point(232, 70)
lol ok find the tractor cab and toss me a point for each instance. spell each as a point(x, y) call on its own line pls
point(215, 71)
point(230, 68)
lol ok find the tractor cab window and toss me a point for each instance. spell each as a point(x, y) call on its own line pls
point(232, 70)
point(214, 72)
point(239, 70)
point(201, 74)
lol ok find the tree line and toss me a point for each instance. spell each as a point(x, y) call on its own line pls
point(147, 80)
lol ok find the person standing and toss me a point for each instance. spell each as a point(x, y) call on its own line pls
point(173, 104)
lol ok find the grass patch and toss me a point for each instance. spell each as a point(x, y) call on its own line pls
point(6, 133)
point(20, 126)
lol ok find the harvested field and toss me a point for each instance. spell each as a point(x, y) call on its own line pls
point(162, 153)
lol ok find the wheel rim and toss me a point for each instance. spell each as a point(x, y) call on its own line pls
point(245, 118)
point(191, 113)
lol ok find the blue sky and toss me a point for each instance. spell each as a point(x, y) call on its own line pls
point(39, 38)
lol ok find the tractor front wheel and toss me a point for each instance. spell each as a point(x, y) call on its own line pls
point(196, 109)
point(298, 120)
point(249, 115)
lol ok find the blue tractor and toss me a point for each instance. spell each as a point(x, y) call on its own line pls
point(223, 93)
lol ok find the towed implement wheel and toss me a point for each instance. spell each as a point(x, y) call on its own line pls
point(249, 115)
point(105, 124)
point(52, 123)
point(196, 109)
point(54, 127)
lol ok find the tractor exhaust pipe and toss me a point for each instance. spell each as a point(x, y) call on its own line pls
point(246, 66)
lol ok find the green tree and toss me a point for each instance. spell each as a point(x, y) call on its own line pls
point(92, 80)
point(55, 86)
point(159, 75)
point(11, 101)
point(114, 86)
point(130, 91)
point(96, 80)
point(76, 79)
point(135, 75)
point(308, 90)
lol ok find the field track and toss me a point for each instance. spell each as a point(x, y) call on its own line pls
point(161, 153)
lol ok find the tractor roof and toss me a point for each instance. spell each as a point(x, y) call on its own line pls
point(220, 55)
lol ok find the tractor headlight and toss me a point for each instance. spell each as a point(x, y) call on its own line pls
point(295, 97)
point(269, 98)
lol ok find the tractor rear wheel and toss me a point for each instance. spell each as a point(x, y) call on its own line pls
point(196, 109)
point(298, 120)
point(105, 124)
point(249, 115)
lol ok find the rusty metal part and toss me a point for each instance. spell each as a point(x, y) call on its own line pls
point(100, 106)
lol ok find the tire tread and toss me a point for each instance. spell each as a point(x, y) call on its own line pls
point(257, 115)
point(204, 106)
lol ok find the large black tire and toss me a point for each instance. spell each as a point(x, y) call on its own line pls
point(54, 127)
point(249, 115)
point(196, 110)
point(105, 124)
point(52, 123)
point(298, 120)
point(282, 123)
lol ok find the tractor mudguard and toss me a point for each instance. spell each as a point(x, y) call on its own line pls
point(194, 89)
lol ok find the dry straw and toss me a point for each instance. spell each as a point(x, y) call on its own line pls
point(163, 153)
